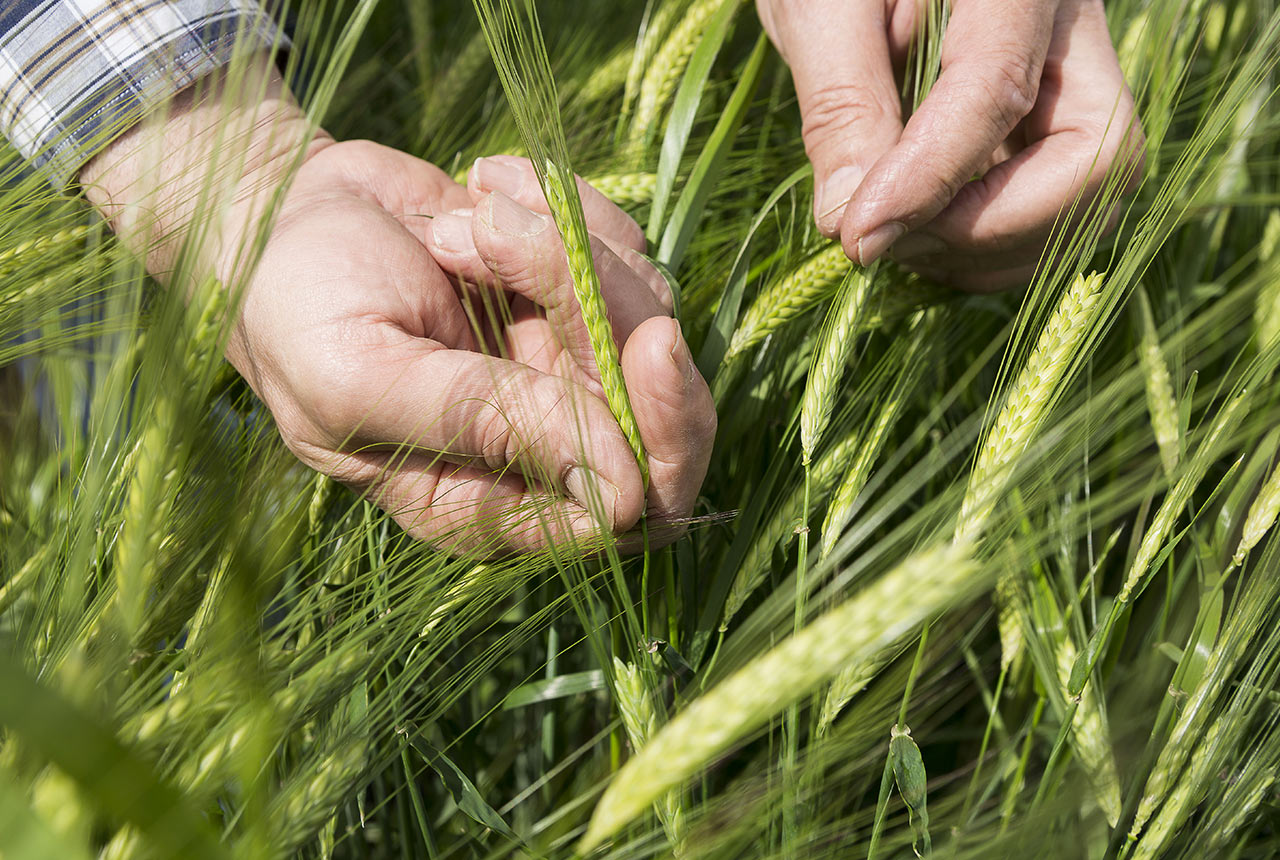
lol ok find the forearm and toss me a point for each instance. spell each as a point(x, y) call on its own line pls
point(204, 170)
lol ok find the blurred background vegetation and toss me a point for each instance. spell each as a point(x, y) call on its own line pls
point(208, 651)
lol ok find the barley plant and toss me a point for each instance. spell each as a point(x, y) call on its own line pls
point(970, 575)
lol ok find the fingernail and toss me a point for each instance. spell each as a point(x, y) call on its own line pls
point(874, 244)
point(830, 200)
point(508, 216)
point(681, 357)
point(592, 491)
point(917, 244)
point(495, 175)
point(452, 233)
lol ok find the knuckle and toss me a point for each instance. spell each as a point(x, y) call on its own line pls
point(838, 108)
point(1008, 82)
point(709, 423)
point(527, 405)
point(497, 439)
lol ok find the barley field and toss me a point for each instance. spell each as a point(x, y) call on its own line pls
point(970, 576)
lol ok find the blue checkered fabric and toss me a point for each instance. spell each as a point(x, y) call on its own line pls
point(74, 74)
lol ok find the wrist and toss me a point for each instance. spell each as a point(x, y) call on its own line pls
point(206, 168)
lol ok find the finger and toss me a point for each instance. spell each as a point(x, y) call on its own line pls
point(448, 236)
point(980, 282)
point(839, 57)
point(463, 510)
point(676, 415)
point(450, 239)
point(477, 410)
point(992, 56)
point(407, 186)
point(524, 250)
point(983, 272)
point(516, 178)
point(1089, 142)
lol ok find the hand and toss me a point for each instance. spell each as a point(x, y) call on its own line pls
point(361, 345)
point(1030, 96)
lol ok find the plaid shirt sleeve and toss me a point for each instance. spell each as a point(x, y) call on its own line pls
point(75, 74)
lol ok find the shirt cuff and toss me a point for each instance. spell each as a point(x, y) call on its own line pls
point(76, 74)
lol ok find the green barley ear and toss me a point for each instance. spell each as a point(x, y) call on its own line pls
point(566, 208)
point(832, 353)
point(851, 681)
point(1262, 515)
point(1008, 618)
point(1184, 794)
point(781, 528)
point(875, 617)
point(608, 79)
point(809, 283)
point(1028, 402)
point(57, 799)
point(655, 29)
point(1227, 420)
point(667, 68)
point(28, 253)
point(520, 55)
point(1160, 399)
point(841, 510)
point(1239, 807)
point(640, 719)
point(801, 289)
point(1267, 315)
point(1090, 737)
point(1235, 643)
point(310, 799)
point(157, 461)
point(626, 189)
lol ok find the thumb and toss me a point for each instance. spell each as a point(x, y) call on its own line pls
point(839, 57)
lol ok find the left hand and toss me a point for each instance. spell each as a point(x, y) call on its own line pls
point(476, 434)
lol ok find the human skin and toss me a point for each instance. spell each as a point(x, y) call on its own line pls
point(1030, 99)
point(352, 326)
